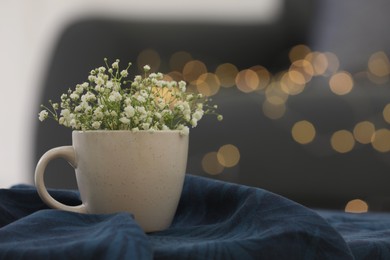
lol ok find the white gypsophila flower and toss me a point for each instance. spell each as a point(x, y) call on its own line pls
point(78, 108)
point(113, 113)
point(74, 96)
point(65, 113)
point(146, 68)
point(127, 101)
point(79, 89)
point(61, 120)
point(129, 111)
point(73, 123)
point(141, 99)
point(145, 126)
point(149, 102)
point(92, 78)
point(115, 96)
point(182, 86)
point(125, 120)
point(124, 73)
point(43, 115)
point(184, 130)
point(157, 115)
point(197, 115)
point(144, 93)
point(135, 129)
point(179, 106)
point(99, 80)
point(219, 117)
point(96, 125)
point(109, 84)
point(194, 122)
point(138, 78)
point(189, 97)
point(115, 65)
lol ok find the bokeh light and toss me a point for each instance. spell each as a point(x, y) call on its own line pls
point(333, 63)
point(275, 94)
point(178, 60)
point(305, 68)
point(386, 113)
point(149, 57)
point(298, 52)
point(273, 111)
point(342, 141)
point(175, 75)
point(303, 132)
point(210, 164)
point(228, 155)
point(192, 71)
point(364, 132)
point(290, 87)
point(341, 83)
point(227, 73)
point(356, 206)
point(264, 76)
point(381, 140)
point(319, 62)
point(208, 84)
point(378, 64)
point(247, 81)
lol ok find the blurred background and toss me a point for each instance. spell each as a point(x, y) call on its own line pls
point(303, 87)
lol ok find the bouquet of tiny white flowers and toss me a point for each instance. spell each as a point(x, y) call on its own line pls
point(107, 101)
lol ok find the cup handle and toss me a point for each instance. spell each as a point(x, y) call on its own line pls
point(67, 153)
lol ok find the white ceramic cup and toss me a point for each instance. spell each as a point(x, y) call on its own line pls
point(137, 172)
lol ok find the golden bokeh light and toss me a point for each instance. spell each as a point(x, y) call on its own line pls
point(298, 52)
point(149, 57)
point(378, 64)
point(333, 63)
point(175, 75)
point(273, 111)
point(210, 164)
point(364, 132)
point(192, 70)
point(381, 140)
point(179, 59)
point(356, 206)
point(227, 73)
point(264, 76)
point(247, 81)
point(228, 155)
point(303, 132)
point(341, 83)
point(318, 61)
point(208, 84)
point(297, 77)
point(342, 141)
point(305, 68)
point(275, 94)
point(386, 113)
point(290, 87)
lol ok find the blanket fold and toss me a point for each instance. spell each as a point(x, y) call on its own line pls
point(214, 220)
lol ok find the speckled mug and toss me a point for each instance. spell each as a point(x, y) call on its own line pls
point(137, 172)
